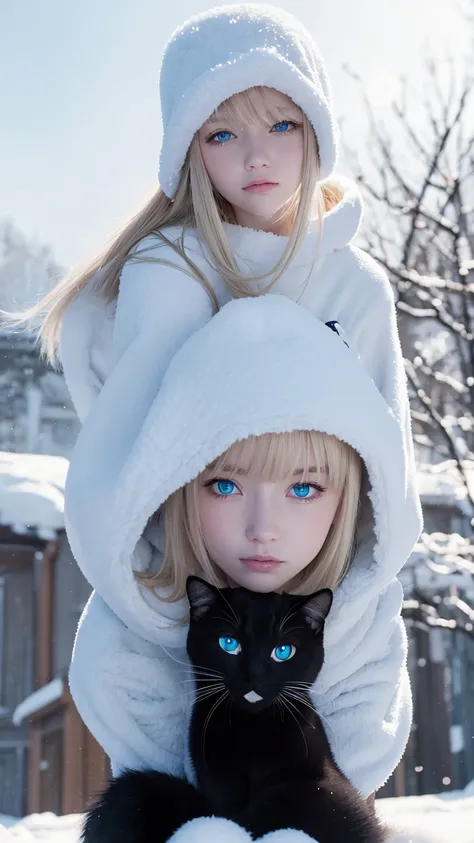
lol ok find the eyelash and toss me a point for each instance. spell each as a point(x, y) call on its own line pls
point(319, 489)
point(293, 125)
point(210, 483)
point(315, 486)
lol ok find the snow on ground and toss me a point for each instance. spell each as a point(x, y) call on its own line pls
point(448, 818)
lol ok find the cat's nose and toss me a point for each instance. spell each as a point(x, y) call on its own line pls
point(252, 697)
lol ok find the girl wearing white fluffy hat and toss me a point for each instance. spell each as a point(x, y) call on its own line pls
point(248, 204)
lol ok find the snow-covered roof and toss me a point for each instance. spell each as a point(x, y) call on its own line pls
point(38, 699)
point(32, 493)
point(441, 484)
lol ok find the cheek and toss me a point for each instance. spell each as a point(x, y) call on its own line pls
point(314, 524)
point(292, 155)
point(217, 521)
point(218, 165)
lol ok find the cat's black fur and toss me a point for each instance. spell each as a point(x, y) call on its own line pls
point(265, 764)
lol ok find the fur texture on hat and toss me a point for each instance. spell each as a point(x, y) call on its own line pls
point(226, 50)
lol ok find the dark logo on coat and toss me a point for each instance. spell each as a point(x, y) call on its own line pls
point(336, 327)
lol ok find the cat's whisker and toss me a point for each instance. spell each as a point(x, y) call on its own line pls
point(287, 706)
point(204, 670)
point(290, 613)
point(190, 668)
point(301, 697)
point(195, 668)
point(200, 679)
point(201, 694)
point(198, 691)
point(232, 610)
point(206, 694)
point(310, 693)
point(227, 619)
point(321, 716)
point(280, 708)
point(289, 697)
point(308, 687)
point(208, 677)
point(208, 718)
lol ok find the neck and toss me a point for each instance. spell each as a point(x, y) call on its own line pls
point(280, 224)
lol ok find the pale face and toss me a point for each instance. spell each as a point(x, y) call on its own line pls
point(256, 168)
point(262, 534)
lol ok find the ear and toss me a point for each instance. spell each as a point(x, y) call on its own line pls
point(315, 608)
point(201, 596)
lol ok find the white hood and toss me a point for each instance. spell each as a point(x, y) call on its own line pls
point(226, 50)
point(260, 365)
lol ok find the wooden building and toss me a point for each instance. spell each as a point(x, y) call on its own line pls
point(440, 624)
point(48, 759)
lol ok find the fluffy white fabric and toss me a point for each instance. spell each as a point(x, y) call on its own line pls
point(226, 50)
point(216, 830)
point(260, 365)
point(163, 387)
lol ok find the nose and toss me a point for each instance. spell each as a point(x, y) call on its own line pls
point(261, 527)
point(256, 157)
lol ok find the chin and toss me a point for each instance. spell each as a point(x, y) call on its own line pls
point(263, 584)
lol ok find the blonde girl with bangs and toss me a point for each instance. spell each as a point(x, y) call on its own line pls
point(324, 462)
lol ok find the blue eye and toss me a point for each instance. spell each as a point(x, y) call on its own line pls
point(283, 127)
point(221, 137)
point(230, 645)
point(225, 487)
point(302, 490)
point(283, 653)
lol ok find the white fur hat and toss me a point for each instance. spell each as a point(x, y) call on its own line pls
point(226, 50)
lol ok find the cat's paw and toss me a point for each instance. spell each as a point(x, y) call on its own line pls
point(211, 830)
point(287, 835)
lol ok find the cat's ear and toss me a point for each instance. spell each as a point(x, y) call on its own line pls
point(201, 596)
point(315, 608)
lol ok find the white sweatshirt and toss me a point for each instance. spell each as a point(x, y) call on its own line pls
point(163, 388)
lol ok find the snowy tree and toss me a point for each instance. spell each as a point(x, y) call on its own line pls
point(27, 269)
point(417, 177)
point(35, 409)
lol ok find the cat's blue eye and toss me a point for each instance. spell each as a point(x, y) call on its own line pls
point(283, 653)
point(225, 487)
point(230, 645)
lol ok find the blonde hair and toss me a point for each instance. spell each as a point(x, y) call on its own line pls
point(195, 205)
point(272, 457)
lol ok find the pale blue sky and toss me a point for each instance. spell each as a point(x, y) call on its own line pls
point(79, 111)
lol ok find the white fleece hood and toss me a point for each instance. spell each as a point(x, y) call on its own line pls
point(260, 365)
point(226, 50)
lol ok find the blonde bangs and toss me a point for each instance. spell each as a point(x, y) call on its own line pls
point(251, 107)
point(277, 456)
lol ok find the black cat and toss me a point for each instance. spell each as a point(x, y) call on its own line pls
point(259, 750)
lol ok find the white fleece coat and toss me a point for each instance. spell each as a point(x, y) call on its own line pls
point(176, 396)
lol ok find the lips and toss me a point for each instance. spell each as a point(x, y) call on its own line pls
point(261, 564)
point(258, 182)
point(260, 186)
